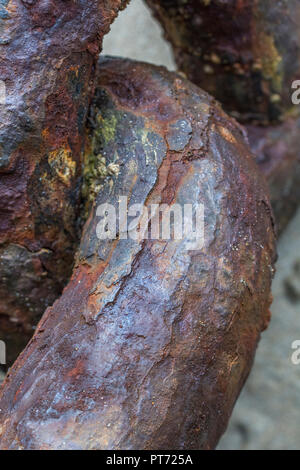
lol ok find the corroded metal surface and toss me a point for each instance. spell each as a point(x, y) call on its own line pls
point(246, 53)
point(278, 156)
point(151, 342)
point(48, 50)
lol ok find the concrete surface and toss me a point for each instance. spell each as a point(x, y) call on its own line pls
point(267, 414)
point(135, 34)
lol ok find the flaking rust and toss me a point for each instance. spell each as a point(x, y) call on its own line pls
point(150, 342)
point(246, 53)
point(48, 50)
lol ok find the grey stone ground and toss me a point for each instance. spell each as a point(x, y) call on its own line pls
point(267, 414)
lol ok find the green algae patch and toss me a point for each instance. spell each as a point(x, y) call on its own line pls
point(104, 156)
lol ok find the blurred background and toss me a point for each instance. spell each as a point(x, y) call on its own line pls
point(267, 414)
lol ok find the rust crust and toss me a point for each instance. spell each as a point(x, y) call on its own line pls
point(278, 156)
point(48, 51)
point(151, 341)
point(246, 53)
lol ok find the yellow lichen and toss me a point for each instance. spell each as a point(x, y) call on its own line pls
point(96, 168)
point(106, 127)
point(270, 60)
point(62, 162)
